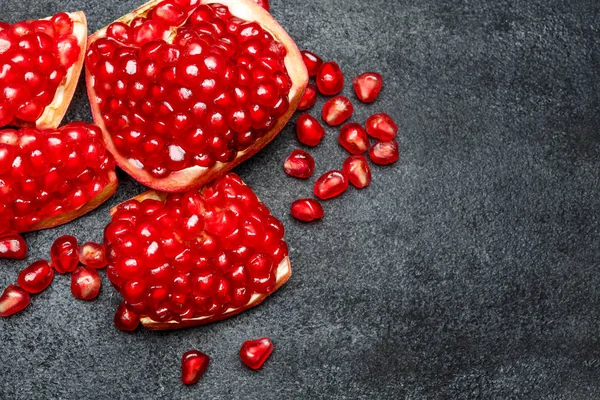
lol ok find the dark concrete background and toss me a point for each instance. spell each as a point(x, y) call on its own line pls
point(467, 270)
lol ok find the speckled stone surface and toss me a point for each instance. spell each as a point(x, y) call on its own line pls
point(470, 269)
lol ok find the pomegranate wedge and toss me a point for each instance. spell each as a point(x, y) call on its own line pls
point(40, 64)
point(182, 260)
point(186, 90)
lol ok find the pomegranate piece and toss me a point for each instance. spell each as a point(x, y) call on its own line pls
point(354, 138)
point(254, 353)
point(384, 153)
point(12, 245)
point(312, 61)
point(330, 79)
point(51, 177)
point(126, 319)
point(187, 259)
point(309, 130)
point(357, 169)
point(185, 91)
point(337, 110)
point(193, 366)
point(367, 86)
point(40, 63)
point(309, 98)
point(93, 255)
point(381, 126)
point(13, 300)
point(307, 210)
point(263, 3)
point(65, 254)
point(85, 283)
point(299, 164)
point(330, 184)
point(36, 277)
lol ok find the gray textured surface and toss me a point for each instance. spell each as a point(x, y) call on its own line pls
point(467, 270)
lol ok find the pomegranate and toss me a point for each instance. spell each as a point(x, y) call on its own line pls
point(309, 130)
point(330, 79)
point(186, 90)
point(381, 126)
point(312, 61)
point(367, 86)
point(337, 110)
point(126, 319)
point(357, 169)
point(193, 366)
point(307, 210)
point(384, 153)
point(51, 177)
point(92, 255)
point(85, 283)
point(13, 246)
point(40, 63)
point(36, 277)
point(13, 300)
point(309, 98)
point(330, 184)
point(65, 254)
point(354, 138)
point(299, 164)
point(254, 353)
point(182, 260)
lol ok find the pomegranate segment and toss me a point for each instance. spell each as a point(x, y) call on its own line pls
point(381, 126)
point(85, 283)
point(93, 255)
point(12, 246)
point(188, 259)
point(193, 366)
point(367, 86)
point(354, 138)
point(337, 110)
point(330, 79)
point(185, 91)
point(40, 63)
point(357, 169)
point(307, 210)
point(309, 98)
point(13, 300)
point(312, 61)
point(299, 164)
point(384, 153)
point(126, 319)
point(65, 254)
point(330, 184)
point(51, 177)
point(309, 130)
point(254, 353)
point(36, 277)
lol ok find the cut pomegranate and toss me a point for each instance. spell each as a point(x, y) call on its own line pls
point(254, 353)
point(309, 130)
point(299, 164)
point(330, 79)
point(367, 86)
point(354, 138)
point(13, 300)
point(263, 3)
point(36, 277)
point(193, 366)
point(50, 177)
point(126, 319)
point(40, 63)
point(384, 153)
point(85, 283)
point(182, 260)
point(312, 61)
point(186, 91)
point(13, 246)
point(65, 254)
point(331, 184)
point(357, 169)
point(92, 255)
point(337, 110)
point(307, 210)
point(309, 98)
point(381, 126)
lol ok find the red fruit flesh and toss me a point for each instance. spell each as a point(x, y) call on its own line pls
point(40, 63)
point(384, 153)
point(299, 164)
point(307, 210)
point(193, 366)
point(51, 177)
point(337, 110)
point(309, 130)
point(367, 86)
point(12, 246)
point(254, 353)
point(330, 79)
point(191, 90)
point(85, 283)
point(357, 169)
point(186, 260)
point(354, 138)
point(263, 3)
point(312, 61)
point(93, 255)
point(381, 126)
point(330, 184)
point(309, 98)
point(65, 254)
point(13, 300)
point(126, 319)
point(36, 277)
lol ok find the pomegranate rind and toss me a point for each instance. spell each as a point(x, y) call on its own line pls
point(194, 177)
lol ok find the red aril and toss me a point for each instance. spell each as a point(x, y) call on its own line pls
point(357, 169)
point(193, 366)
point(309, 98)
point(307, 210)
point(13, 300)
point(254, 353)
point(354, 138)
point(126, 319)
point(384, 153)
point(12, 245)
point(367, 86)
point(312, 61)
point(299, 164)
point(309, 130)
point(93, 255)
point(381, 126)
point(330, 184)
point(337, 110)
point(65, 254)
point(263, 3)
point(330, 79)
point(184, 92)
point(36, 277)
point(85, 283)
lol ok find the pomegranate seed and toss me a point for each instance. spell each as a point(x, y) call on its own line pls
point(65, 254)
point(309, 130)
point(309, 98)
point(381, 126)
point(126, 319)
point(193, 366)
point(299, 164)
point(330, 184)
point(92, 255)
point(307, 210)
point(354, 138)
point(263, 3)
point(330, 79)
point(312, 61)
point(36, 277)
point(13, 300)
point(367, 86)
point(337, 110)
point(12, 245)
point(357, 169)
point(384, 153)
point(254, 353)
point(85, 283)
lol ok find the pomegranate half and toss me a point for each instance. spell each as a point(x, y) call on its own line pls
point(185, 90)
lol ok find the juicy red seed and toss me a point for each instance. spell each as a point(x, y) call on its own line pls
point(312, 61)
point(263, 3)
point(299, 164)
point(120, 32)
point(330, 79)
point(330, 184)
point(65, 254)
point(193, 366)
point(354, 139)
point(367, 86)
point(381, 126)
point(309, 130)
point(309, 98)
point(357, 169)
point(93, 255)
point(126, 319)
point(12, 245)
point(85, 283)
point(307, 210)
point(337, 110)
point(254, 353)
point(63, 24)
point(384, 153)
point(36, 277)
point(13, 300)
